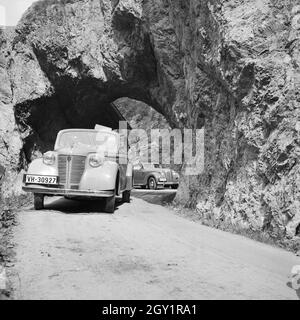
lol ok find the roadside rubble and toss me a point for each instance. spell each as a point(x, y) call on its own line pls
point(6, 254)
point(7, 221)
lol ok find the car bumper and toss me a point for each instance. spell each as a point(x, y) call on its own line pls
point(169, 183)
point(68, 192)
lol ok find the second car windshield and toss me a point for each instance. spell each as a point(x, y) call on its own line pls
point(149, 166)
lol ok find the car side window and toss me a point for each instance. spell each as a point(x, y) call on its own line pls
point(148, 167)
point(138, 167)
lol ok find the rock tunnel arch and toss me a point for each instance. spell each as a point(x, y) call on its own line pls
point(73, 77)
point(68, 68)
point(40, 120)
point(81, 106)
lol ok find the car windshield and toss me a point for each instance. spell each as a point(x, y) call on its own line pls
point(103, 140)
point(151, 166)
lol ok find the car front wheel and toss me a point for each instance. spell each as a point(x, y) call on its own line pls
point(39, 201)
point(110, 204)
point(152, 184)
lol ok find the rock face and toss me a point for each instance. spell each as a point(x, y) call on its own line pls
point(232, 66)
point(10, 141)
point(141, 116)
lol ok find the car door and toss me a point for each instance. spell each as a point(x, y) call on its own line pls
point(138, 174)
point(146, 172)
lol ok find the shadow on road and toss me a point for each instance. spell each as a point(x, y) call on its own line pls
point(160, 197)
point(79, 207)
point(66, 206)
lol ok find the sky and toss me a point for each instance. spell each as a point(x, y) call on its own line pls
point(11, 11)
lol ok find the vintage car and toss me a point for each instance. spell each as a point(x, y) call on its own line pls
point(153, 176)
point(85, 164)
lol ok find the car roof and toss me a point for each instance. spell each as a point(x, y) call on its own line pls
point(151, 163)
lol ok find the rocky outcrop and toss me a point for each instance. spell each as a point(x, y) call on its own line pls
point(10, 141)
point(141, 116)
point(232, 66)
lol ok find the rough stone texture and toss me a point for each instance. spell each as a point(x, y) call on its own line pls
point(233, 65)
point(140, 116)
point(10, 141)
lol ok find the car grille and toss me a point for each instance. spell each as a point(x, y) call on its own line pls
point(169, 176)
point(70, 170)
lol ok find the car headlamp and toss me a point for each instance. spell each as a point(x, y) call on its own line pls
point(96, 160)
point(49, 158)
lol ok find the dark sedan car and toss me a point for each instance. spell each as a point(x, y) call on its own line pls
point(153, 176)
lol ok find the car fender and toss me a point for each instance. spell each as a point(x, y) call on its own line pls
point(100, 178)
point(151, 174)
point(37, 167)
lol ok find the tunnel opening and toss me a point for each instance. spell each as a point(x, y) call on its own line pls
point(141, 116)
point(82, 100)
point(81, 106)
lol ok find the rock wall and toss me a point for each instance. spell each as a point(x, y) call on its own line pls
point(10, 141)
point(140, 116)
point(232, 66)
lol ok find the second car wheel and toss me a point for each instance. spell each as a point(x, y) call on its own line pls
point(152, 184)
point(39, 201)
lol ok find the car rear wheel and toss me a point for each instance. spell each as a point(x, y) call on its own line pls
point(126, 196)
point(175, 186)
point(152, 184)
point(39, 201)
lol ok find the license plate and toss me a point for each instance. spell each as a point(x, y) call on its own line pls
point(49, 180)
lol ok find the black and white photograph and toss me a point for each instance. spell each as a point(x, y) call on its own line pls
point(149, 151)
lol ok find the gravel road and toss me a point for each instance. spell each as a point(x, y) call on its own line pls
point(70, 250)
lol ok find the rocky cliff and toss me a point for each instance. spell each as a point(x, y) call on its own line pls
point(230, 66)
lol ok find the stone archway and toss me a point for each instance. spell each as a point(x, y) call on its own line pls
point(63, 81)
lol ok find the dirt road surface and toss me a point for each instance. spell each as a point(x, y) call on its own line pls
point(70, 250)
